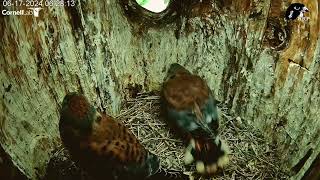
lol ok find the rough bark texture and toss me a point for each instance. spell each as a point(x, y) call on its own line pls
point(264, 68)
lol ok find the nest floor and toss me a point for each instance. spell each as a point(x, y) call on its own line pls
point(252, 157)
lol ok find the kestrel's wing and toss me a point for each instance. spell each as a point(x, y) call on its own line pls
point(113, 141)
point(189, 102)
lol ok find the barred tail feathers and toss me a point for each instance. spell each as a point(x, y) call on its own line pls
point(209, 155)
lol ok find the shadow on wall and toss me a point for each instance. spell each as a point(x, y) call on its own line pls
point(314, 171)
point(8, 171)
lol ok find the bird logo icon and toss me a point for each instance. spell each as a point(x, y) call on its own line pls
point(296, 11)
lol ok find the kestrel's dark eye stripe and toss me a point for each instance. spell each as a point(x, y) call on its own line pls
point(99, 119)
point(171, 77)
point(191, 114)
point(104, 148)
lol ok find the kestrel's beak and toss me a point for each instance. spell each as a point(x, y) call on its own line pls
point(305, 9)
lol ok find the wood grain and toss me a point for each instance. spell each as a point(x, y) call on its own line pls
point(93, 48)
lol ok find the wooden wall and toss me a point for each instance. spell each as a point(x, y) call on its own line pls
point(265, 69)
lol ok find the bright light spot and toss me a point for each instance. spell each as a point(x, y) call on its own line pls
point(154, 5)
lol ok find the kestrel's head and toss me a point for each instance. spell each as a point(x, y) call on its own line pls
point(175, 69)
point(77, 112)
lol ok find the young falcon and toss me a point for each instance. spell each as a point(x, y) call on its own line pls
point(102, 146)
point(190, 106)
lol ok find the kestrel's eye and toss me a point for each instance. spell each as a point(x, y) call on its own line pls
point(173, 76)
point(98, 117)
point(190, 114)
point(296, 8)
